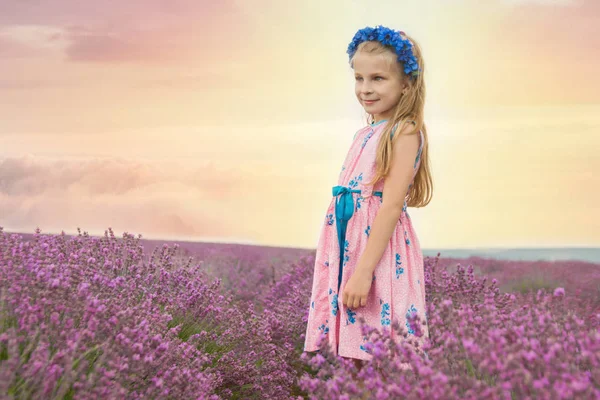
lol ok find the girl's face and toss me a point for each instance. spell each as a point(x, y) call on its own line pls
point(378, 78)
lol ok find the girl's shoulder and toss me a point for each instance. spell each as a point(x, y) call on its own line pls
point(363, 129)
point(407, 126)
point(406, 123)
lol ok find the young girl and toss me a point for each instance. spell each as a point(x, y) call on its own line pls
point(369, 261)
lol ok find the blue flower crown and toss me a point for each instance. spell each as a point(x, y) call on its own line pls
point(388, 37)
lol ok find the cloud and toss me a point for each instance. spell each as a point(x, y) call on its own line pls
point(159, 219)
point(90, 44)
point(10, 84)
point(30, 176)
point(96, 194)
point(24, 41)
point(116, 47)
point(543, 2)
point(129, 13)
point(10, 48)
point(134, 31)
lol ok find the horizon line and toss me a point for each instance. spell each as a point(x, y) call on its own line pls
point(250, 243)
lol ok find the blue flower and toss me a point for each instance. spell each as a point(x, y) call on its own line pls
point(351, 316)
point(354, 182)
point(324, 328)
point(385, 313)
point(329, 219)
point(334, 304)
point(346, 255)
point(399, 269)
point(387, 37)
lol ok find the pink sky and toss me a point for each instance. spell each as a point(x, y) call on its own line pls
point(210, 120)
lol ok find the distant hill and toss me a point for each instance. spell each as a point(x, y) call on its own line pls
point(589, 254)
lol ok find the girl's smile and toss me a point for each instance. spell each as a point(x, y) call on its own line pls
point(378, 75)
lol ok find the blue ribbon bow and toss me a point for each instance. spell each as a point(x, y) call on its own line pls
point(344, 209)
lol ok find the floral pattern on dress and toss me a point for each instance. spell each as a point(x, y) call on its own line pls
point(394, 292)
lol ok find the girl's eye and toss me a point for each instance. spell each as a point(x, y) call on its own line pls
point(358, 78)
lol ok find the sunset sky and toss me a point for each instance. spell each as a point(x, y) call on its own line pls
point(229, 120)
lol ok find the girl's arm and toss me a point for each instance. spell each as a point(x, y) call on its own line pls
point(394, 192)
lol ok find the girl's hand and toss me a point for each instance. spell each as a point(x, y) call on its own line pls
point(356, 289)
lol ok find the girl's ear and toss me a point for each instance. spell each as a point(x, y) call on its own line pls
point(405, 84)
point(405, 87)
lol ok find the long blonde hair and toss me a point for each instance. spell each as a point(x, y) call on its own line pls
point(409, 108)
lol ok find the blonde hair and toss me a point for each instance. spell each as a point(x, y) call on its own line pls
point(409, 108)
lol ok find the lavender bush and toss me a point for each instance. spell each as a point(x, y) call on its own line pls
point(91, 317)
point(484, 344)
point(85, 317)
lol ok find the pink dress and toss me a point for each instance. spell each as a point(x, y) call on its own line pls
point(398, 287)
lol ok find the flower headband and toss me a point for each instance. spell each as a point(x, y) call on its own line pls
point(389, 37)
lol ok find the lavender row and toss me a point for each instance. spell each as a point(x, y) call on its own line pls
point(107, 317)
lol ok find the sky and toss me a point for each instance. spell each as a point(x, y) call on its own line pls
point(229, 121)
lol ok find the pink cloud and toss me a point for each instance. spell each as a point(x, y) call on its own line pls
point(133, 31)
point(564, 34)
point(149, 219)
point(101, 47)
point(125, 14)
point(30, 176)
point(125, 195)
point(10, 48)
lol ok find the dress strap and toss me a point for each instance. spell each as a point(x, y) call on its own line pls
point(396, 125)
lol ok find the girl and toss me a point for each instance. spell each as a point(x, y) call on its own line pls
point(368, 260)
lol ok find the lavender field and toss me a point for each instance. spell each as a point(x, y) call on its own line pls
point(120, 317)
